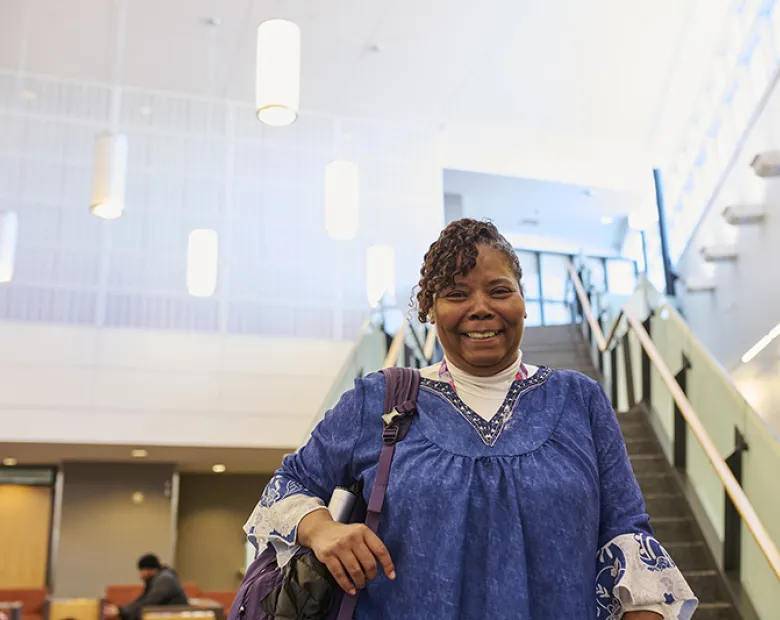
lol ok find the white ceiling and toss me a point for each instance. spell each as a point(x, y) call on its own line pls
point(592, 70)
point(532, 213)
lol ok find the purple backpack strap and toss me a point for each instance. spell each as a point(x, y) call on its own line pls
point(401, 387)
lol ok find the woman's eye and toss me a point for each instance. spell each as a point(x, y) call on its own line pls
point(501, 291)
point(455, 294)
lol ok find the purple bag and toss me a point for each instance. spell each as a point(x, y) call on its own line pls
point(305, 589)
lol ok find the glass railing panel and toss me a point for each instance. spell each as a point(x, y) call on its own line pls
point(622, 385)
point(623, 400)
point(669, 346)
point(722, 410)
point(367, 356)
point(636, 364)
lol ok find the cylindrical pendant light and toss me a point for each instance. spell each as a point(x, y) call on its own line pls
point(202, 262)
point(109, 177)
point(278, 85)
point(9, 232)
point(342, 199)
point(380, 273)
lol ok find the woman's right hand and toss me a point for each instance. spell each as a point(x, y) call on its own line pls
point(350, 551)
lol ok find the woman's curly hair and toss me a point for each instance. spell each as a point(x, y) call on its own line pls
point(454, 253)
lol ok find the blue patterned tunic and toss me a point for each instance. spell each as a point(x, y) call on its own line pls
point(534, 515)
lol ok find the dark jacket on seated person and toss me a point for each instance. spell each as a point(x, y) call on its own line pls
point(162, 589)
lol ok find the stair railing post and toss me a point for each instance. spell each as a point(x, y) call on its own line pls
point(613, 383)
point(600, 353)
point(680, 425)
point(646, 368)
point(732, 540)
point(627, 363)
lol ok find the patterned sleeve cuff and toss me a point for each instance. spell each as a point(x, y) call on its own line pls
point(636, 573)
point(276, 517)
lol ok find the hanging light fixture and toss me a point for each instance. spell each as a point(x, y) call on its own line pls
point(380, 273)
point(9, 232)
point(202, 262)
point(342, 199)
point(278, 84)
point(109, 177)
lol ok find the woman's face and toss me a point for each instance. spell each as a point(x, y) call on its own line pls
point(480, 320)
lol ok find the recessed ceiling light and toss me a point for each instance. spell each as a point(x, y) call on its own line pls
point(138, 497)
point(9, 462)
point(139, 454)
point(219, 468)
point(761, 344)
point(606, 220)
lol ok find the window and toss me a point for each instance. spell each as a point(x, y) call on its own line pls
point(737, 80)
point(529, 261)
point(621, 276)
point(556, 313)
point(552, 308)
point(534, 311)
point(555, 274)
point(597, 274)
point(775, 17)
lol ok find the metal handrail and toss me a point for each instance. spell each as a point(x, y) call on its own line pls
point(595, 328)
point(732, 487)
point(430, 343)
point(397, 346)
point(613, 331)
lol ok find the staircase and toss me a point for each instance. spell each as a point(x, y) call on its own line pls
point(559, 346)
point(563, 347)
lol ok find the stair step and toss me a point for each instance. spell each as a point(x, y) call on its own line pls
point(674, 529)
point(552, 334)
point(707, 585)
point(643, 445)
point(648, 463)
point(716, 611)
point(689, 556)
point(656, 482)
point(558, 358)
point(665, 505)
point(636, 430)
point(631, 415)
point(555, 346)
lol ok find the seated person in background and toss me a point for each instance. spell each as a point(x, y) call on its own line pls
point(161, 587)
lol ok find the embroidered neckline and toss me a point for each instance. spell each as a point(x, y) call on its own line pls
point(489, 430)
point(446, 376)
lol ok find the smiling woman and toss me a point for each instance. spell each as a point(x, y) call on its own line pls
point(511, 495)
point(470, 287)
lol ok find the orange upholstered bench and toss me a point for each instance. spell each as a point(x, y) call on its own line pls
point(33, 601)
point(124, 594)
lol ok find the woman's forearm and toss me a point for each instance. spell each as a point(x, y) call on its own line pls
point(311, 523)
point(641, 615)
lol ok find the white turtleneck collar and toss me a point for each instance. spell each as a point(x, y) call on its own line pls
point(484, 395)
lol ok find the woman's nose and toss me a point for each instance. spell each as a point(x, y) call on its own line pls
point(480, 308)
